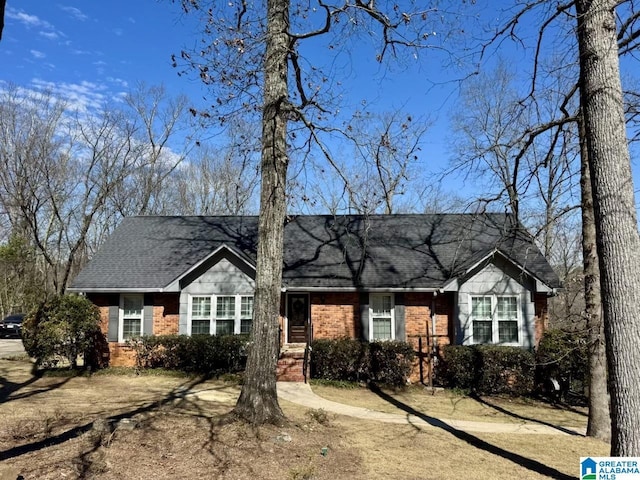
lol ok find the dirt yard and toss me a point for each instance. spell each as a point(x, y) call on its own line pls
point(153, 427)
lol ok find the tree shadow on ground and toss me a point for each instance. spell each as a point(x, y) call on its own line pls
point(476, 442)
point(500, 409)
point(8, 388)
point(101, 424)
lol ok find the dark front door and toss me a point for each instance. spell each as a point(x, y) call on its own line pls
point(297, 315)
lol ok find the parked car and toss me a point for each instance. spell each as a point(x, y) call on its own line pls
point(11, 326)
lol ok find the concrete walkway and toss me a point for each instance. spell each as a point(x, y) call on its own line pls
point(301, 394)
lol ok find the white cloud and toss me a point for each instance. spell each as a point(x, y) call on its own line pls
point(82, 97)
point(74, 12)
point(38, 54)
point(26, 19)
point(100, 66)
point(118, 81)
point(32, 21)
point(49, 35)
point(118, 32)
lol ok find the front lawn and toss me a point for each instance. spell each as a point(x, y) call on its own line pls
point(150, 426)
point(447, 404)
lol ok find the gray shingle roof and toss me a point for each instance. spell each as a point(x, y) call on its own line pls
point(321, 251)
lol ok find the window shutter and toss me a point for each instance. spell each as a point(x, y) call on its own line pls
point(114, 319)
point(147, 315)
point(364, 315)
point(401, 333)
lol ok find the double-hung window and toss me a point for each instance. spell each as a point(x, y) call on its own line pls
point(246, 313)
point(482, 317)
point(200, 315)
point(381, 322)
point(131, 316)
point(495, 319)
point(220, 314)
point(225, 315)
point(507, 317)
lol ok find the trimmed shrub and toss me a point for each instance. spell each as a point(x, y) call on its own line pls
point(564, 356)
point(456, 367)
point(390, 362)
point(351, 360)
point(205, 354)
point(505, 370)
point(343, 359)
point(487, 369)
point(64, 327)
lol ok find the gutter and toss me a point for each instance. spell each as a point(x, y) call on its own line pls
point(360, 289)
point(120, 290)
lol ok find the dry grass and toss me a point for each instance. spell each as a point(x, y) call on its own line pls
point(447, 404)
point(70, 428)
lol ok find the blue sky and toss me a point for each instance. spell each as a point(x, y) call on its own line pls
point(93, 51)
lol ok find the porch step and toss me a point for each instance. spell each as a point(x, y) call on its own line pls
point(292, 348)
point(291, 366)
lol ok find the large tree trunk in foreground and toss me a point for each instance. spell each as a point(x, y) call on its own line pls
point(258, 402)
point(615, 215)
point(599, 424)
point(3, 4)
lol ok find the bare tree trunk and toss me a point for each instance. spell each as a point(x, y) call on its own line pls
point(3, 4)
point(599, 424)
point(258, 402)
point(615, 215)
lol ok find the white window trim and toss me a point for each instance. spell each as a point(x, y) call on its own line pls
point(140, 296)
point(393, 316)
point(212, 306)
point(495, 333)
point(237, 320)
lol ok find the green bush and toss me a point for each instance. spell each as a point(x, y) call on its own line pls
point(505, 370)
point(390, 362)
point(486, 369)
point(205, 354)
point(456, 367)
point(563, 355)
point(351, 360)
point(64, 327)
point(341, 359)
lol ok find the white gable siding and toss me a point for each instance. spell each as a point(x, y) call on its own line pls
point(496, 279)
point(223, 278)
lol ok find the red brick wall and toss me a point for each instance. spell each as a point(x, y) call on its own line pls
point(444, 306)
point(419, 328)
point(417, 316)
point(541, 316)
point(166, 313)
point(103, 301)
point(166, 317)
point(335, 315)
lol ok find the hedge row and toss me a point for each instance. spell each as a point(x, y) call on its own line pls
point(206, 354)
point(481, 369)
point(490, 369)
point(351, 360)
point(487, 369)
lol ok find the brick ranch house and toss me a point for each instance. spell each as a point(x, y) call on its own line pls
point(427, 279)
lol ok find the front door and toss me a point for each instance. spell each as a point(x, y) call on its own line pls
point(297, 316)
